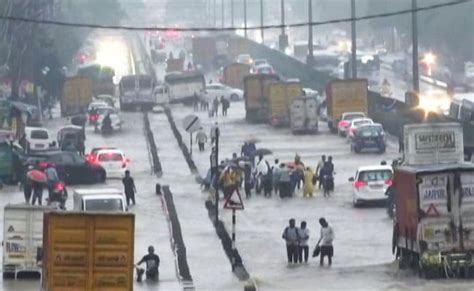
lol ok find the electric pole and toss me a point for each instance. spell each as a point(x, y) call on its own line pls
point(414, 35)
point(222, 13)
point(232, 13)
point(261, 22)
point(214, 12)
point(282, 2)
point(245, 18)
point(353, 41)
point(310, 60)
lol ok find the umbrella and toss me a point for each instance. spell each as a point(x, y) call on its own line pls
point(263, 152)
point(37, 176)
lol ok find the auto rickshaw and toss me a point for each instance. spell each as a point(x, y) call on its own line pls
point(71, 137)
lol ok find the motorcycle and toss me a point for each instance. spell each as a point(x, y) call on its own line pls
point(58, 195)
point(106, 129)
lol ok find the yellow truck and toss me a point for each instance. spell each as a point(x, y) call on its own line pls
point(174, 65)
point(256, 91)
point(77, 94)
point(345, 96)
point(234, 75)
point(280, 98)
point(88, 251)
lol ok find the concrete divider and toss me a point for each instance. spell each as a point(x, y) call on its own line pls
point(177, 242)
point(221, 231)
point(155, 160)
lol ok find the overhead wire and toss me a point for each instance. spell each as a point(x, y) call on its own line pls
point(217, 29)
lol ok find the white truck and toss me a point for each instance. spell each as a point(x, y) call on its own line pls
point(136, 91)
point(104, 200)
point(304, 115)
point(22, 239)
point(180, 87)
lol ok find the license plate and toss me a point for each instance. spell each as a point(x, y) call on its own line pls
point(40, 146)
point(376, 186)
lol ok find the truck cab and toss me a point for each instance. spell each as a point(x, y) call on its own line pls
point(102, 200)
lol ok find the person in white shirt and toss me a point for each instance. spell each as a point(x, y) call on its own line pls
point(261, 170)
point(325, 241)
point(303, 233)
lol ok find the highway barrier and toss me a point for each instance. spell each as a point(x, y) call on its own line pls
point(177, 242)
point(152, 148)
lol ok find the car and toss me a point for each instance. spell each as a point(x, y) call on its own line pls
point(245, 59)
point(263, 69)
point(92, 155)
point(218, 90)
point(37, 138)
point(370, 184)
point(258, 62)
point(108, 99)
point(113, 161)
point(369, 136)
point(355, 123)
point(114, 117)
point(345, 121)
point(71, 167)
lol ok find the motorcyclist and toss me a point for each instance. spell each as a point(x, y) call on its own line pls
point(152, 263)
point(107, 123)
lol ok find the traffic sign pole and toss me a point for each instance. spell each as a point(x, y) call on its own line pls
point(233, 239)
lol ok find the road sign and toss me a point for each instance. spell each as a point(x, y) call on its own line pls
point(234, 201)
point(191, 123)
point(432, 211)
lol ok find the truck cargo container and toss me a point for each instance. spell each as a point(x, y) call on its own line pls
point(204, 51)
point(345, 96)
point(304, 115)
point(234, 75)
point(256, 96)
point(77, 94)
point(22, 239)
point(88, 251)
point(435, 218)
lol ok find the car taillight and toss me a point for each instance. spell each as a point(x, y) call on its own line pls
point(93, 117)
point(343, 123)
point(389, 182)
point(360, 184)
point(125, 163)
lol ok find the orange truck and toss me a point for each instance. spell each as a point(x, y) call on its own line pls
point(280, 98)
point(234, 75)
point(88, 251)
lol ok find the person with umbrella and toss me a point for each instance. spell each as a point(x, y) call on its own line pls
point(28, 185)
point(38, 179)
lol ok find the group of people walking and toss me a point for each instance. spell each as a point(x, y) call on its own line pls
point(200, 102)
point(297, 248)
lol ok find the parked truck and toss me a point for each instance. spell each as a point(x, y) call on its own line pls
point(88, 251)
point(345, 96)
point(234, 75)
point(280, 98)
point(304, 115)
point(180, 87)
point(174, 65)
point(136, 91)
point(204, 51)
point(256, 96)
point(22, 239)
point(77, 94)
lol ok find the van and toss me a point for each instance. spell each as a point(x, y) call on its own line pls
point(22, 239)
point(102, 200)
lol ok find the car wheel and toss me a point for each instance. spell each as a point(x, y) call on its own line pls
point(234, 97)
point(357, 149)
point(100, 177)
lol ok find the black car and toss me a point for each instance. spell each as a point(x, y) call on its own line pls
point(369, 136)
point(71, 167)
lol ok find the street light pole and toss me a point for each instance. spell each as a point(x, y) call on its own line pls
point(214, 12)
point(282, 2)
point(261, 22)
point(232, 13)
point(310, 59)
point(245, 18)
point(353, 41)
point(414, 34)
point(222, 13)
point(218, 133)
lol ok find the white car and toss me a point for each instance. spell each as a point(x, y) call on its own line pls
point(37, 138)
point(97, 105)
point(113, 161)
point(218, 90)
point(263, 69)
point(345, 122)
point(355, 123)
point(258, 62)
point(370, 184)
point(245, 59)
